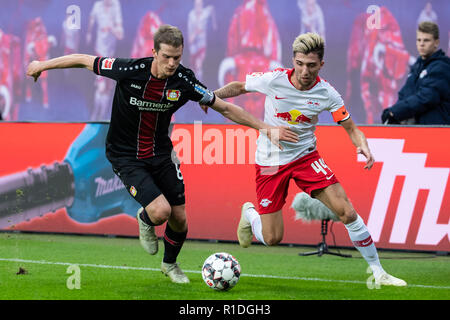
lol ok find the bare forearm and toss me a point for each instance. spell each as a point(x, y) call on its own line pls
point(360, 142)
point(69, 61)
point(358, 138)
point(240, 116)
point(230, 90)
point(237, 114)
point(35, 68)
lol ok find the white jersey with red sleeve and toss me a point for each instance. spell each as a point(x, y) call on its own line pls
point(285, 105)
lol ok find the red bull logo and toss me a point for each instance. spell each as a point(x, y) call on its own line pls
point(292, 117)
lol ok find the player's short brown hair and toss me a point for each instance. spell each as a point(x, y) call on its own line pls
point(430, 28)
point(169, 35)
point(309, 42)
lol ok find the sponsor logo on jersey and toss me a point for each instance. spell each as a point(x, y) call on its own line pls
point(149, 105)
point(133, 85)
point(107, 63)
point(173, 95)
point(292, 117)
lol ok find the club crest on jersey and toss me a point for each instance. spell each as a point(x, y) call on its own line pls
point(173, 95)
point(313, 103)
point(265, 203)
point(108, 63)
point(256, 74)
point(133, 191)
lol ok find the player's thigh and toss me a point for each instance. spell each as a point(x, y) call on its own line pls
point(138, 181)
point(271, 188)
point(311, 173)
point(169, 180)
point(335, 198)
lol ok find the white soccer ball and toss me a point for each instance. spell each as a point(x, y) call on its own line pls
point(221, 271)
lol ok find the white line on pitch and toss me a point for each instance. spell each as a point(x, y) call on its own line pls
point(195, 271)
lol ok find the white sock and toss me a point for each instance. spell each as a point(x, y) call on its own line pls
point(360, 236)
point(255, 220)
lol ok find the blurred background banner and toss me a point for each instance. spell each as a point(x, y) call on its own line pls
point(55, 178)
point(369, 47)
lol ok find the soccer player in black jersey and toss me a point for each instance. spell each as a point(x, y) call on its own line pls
point(148, 91)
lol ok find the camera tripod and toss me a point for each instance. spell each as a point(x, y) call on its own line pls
point(322, 247)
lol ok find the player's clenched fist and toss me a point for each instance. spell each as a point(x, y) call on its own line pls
point(34, 70)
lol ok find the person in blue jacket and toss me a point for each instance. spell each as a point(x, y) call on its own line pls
point(425, 97)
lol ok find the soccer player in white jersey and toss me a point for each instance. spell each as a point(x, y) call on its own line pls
point(295, 97)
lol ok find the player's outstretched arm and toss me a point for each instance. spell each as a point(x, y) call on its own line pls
point(232, 89)
point(35, 68)
point(240, 116)
point(359, 141)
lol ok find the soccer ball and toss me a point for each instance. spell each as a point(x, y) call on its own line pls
point(221, 271)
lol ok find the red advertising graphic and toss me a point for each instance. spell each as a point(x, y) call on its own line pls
point(404, 199)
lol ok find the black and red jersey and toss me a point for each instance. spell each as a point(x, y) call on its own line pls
point(143, 105)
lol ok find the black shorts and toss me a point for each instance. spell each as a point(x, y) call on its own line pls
point(147, 179)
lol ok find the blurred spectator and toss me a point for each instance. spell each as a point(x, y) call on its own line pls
point(10, 76)
point(427, 14)
point(378, 57)
point(312, 19)
point(37, 47)
point(426, 93)
point(107, 14)
point(253, 44)
point(70, 36)
point(143, 42)
point(197, 25)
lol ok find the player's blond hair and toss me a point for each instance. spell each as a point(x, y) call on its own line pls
point(309, 42)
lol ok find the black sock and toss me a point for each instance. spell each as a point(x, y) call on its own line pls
point(144, 217)
point(173, 241)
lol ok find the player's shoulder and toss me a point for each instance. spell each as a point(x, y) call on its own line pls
point(186, 74)
point(281, 70)
point(123, 67)
point(185, 77)
point(271, 74)
point(333, 95)
point(328, 86)
point(185, 71)
point(132, 64)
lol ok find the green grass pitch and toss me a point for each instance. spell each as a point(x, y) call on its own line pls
point(37, 267)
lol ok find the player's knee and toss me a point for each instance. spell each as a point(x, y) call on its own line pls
point(159, 214)
point(272, 240)
point(348, 216)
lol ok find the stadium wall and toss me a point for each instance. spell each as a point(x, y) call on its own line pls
point(54, 177)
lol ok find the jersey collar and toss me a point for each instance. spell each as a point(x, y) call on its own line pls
point(291, 71)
